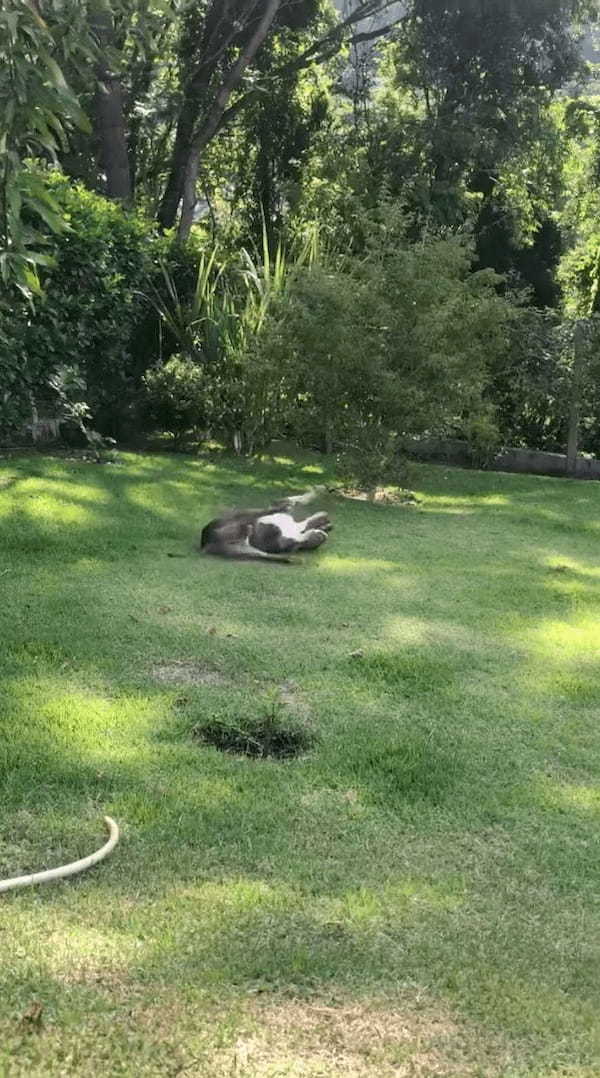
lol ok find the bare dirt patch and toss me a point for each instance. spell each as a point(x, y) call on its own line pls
point(188, 672)
point(381, 496)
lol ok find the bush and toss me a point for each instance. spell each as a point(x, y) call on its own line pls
point(396, 344)
point(529, 383)
point(176, 396)
point(372, 458)
point(93, 298)
point(218, 327)
point(484, 439)
point(18, 373)
point(94, 313)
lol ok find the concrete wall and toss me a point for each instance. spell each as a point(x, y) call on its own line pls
point(526, 461)
point(536, 462)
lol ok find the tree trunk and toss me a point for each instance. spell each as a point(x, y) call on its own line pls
point(110, 118)
point(169, 205)
point(189, 195)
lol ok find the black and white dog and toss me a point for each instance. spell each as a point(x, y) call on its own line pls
point(266, 533)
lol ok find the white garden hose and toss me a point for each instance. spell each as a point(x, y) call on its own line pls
point(67, 870)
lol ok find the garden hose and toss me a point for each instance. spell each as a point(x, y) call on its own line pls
point(67, 870)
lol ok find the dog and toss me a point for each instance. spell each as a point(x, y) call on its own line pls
point(266, 534)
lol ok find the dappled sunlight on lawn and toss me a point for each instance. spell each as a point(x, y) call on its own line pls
point(80, 952)
point(563, 796)
point(571, 568)
point(428, 631)
point(361, 566)
point(446, 508)
point(574, 637)
point(473, 501)
point(363, 906)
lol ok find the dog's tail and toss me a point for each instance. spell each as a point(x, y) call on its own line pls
point(299, 499)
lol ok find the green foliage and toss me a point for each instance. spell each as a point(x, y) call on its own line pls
point(271, 150)
point(397, 342)
point(217, 329)
point(485, 69)
point(70, 389)
point(483, 435)
point(36, 109)
point(580, 267)
point(176, 396)
point(527, 382)
point(371, 458)
point(17, 369)
point(92, 301)
point(532, 384)
point(451, 121)
point(580, 275)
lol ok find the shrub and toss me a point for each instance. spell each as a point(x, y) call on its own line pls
point(93, 298)
point(176, 396)
point(18, 373)
point(217, 327)
point(528, 382)
point(397, 343)
point(94, 312)
point(269, 732)
point(483, 436)
point(70, 389)
point(372, 458)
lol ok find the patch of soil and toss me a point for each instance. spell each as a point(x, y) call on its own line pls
point(381, 496)
point(187, 672)
point(270, 735)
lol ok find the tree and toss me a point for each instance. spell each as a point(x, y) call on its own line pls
point(218, 46)
point(482, 71)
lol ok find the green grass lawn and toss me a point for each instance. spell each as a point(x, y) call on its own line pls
point(418, 895)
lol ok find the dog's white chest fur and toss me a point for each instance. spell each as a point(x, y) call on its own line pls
point(288, 527)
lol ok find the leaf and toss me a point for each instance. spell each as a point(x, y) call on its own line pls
point(39, 259)
point(56, 76)
point(11, 18)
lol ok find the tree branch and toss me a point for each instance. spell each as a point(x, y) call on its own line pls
point(251, 95)
point(366, 10)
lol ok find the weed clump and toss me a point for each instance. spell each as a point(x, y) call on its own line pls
point(272, 733)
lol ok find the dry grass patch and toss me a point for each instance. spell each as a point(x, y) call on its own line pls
point(187, 672)
point(315, 1040)
point(291, 697)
